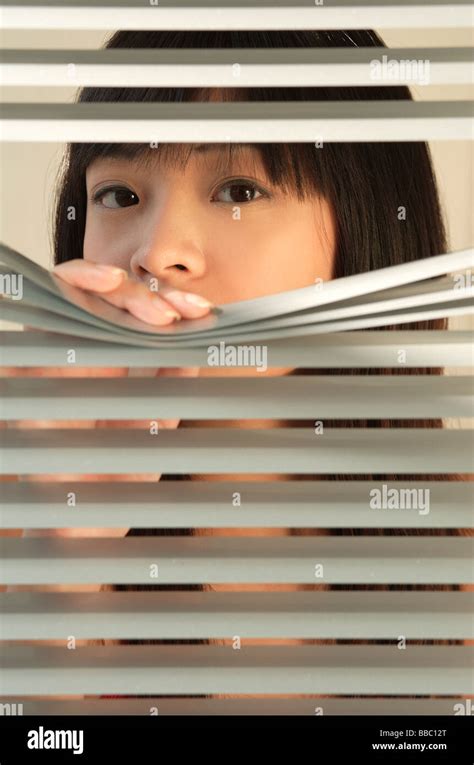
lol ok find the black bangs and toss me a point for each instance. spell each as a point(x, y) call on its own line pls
point(275, 38)
point(291, 167)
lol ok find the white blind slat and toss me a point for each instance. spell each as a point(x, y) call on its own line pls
point(182, 669)
point(272, 67)
point(200, 615)
point(266, 504)
point(18, 313)
point(191, 560)
point(241, 122)
point(244, 398)
point(220, 450)
point(241, 706)
point(235, 14)
point(424, 348)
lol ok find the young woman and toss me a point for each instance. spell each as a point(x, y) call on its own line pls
point(305, 213)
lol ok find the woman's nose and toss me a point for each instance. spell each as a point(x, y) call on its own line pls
point(175, 259)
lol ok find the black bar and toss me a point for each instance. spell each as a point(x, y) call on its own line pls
point(134, 738)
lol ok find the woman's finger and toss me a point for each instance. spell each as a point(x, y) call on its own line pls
point(114, 286)
point(189, 305)
point(90, 276)
point(135, 297)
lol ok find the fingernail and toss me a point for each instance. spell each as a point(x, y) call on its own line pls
point(159, 304)
point(197, 300)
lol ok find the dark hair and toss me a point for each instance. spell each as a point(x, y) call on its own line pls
point(366, 183)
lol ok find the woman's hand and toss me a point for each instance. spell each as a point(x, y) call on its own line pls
point(113, 285)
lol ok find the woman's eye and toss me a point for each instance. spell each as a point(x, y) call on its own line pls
point(116, 197)
point(238, 192)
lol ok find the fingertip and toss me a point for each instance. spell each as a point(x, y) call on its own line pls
point(196, 300)
point(97, 277)
point(81, 267)
point(190, 305)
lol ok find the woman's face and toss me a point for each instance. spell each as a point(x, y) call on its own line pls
point(221, 231)
point(226, 235)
